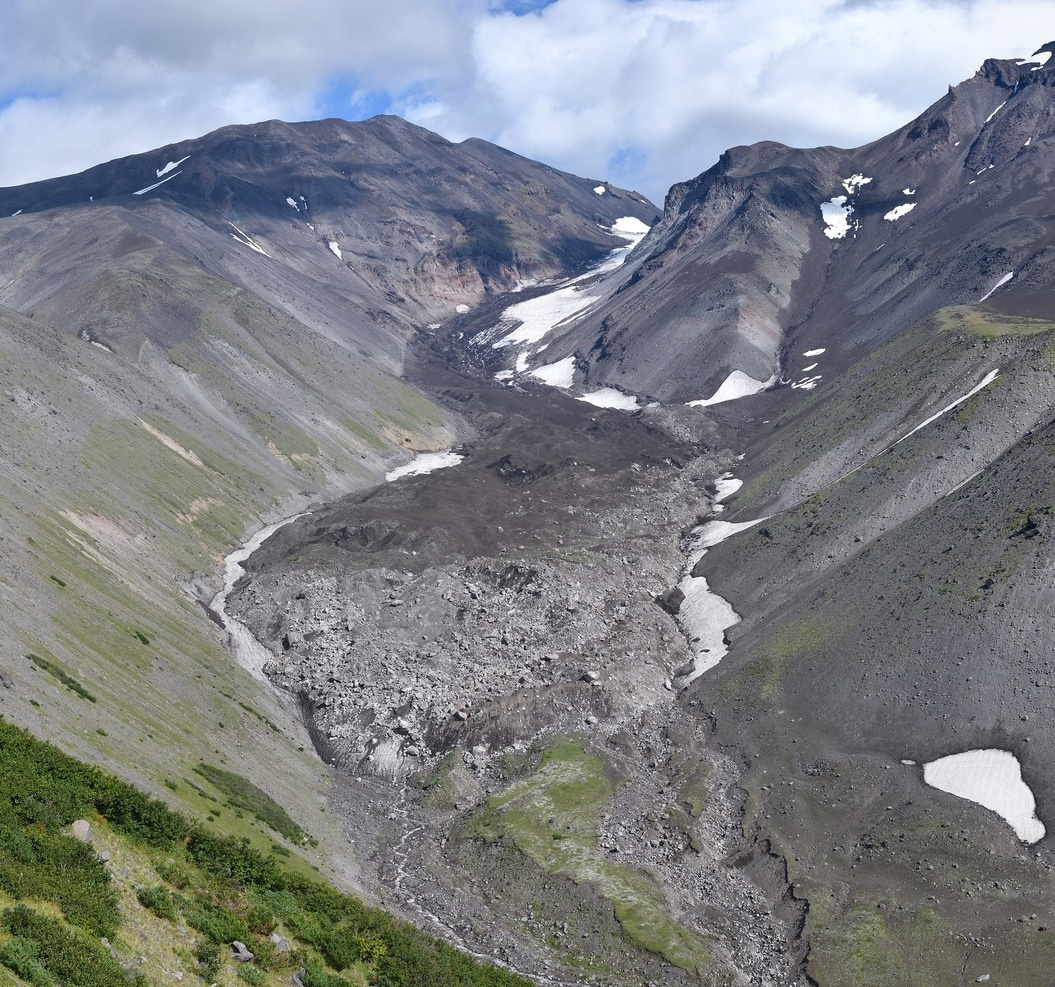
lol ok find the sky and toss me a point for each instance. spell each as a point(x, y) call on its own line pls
point(640, 93)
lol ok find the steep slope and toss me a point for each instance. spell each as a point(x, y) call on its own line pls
point(881, 607)
point(184, 364)
point(776, 251)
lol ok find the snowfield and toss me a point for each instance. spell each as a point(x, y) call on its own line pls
point(836, 214)
point(736, 385)
point(560, 374)
point(609, 397)
point(425, 462)
point(705, 616)
point(991, 778)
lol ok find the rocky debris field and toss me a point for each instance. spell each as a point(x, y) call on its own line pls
point(481, 648)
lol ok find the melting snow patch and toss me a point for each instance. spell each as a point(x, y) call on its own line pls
point(609, 397)
point(171, 166)
point(806, 383)
point(1004, 280)
point(600, 189)
point(425, 462)
point(538, 316)
point(336, 248)
point(504, 375)
point(150, 188)
point(991, 778)
point(836, 213)
point(985, 382)
point(854, 182)
point(246, 240)
point(461, 309)
point(994, 113)
point(17, 212)
point(705, 616)
point(248, 651)
point(293, 202)
point(898, 211)
point(736, 385)
point(725, 486)
point(559, 374)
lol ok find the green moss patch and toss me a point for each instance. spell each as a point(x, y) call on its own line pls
point(553, 815)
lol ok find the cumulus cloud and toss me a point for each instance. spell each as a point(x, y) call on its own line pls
point(639, 92)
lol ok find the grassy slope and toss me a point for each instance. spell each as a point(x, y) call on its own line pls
point(172, 896)
point(122, 477)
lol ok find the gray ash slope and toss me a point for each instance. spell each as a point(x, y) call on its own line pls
point(895, 600)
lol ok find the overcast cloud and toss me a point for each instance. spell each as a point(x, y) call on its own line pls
point(642, 93)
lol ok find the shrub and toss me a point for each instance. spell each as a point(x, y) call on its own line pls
point(159, 901)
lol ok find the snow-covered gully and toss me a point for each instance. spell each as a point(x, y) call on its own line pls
point(247, 650)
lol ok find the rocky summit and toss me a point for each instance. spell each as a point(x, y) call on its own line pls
point(661, 613)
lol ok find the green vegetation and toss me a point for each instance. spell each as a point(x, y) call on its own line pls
point(64, 897)
point(552, 815)
point(243, 794)
point(988, 325)
point(55, 670)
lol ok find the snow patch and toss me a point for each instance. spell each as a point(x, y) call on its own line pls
point(630, 225)
point(994, 113)
point(609, 397)
point(898, 211)
point(704, 616)
point(806, 383)
point(985, 382)
point(908, 191)
point(836, 213)
point(854, 182)
point(425, 462)
point(336, 248)
point(246, 240)
point(17, 212)
point(461, 309)
point(600, 189)
point(1004, 280)
point(293, 202)
point(993, 779)
point(736, 385)
point(171, 166)
point(560, 374)
point(814, 352)
point(150, 188)
point(725, 486)
point(247, 650)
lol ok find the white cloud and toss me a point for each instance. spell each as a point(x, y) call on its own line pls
point(640, 93)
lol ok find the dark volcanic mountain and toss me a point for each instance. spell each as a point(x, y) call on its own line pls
point(653, 695)
point(743, 273)
point(207, 337)
point(886, 593)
